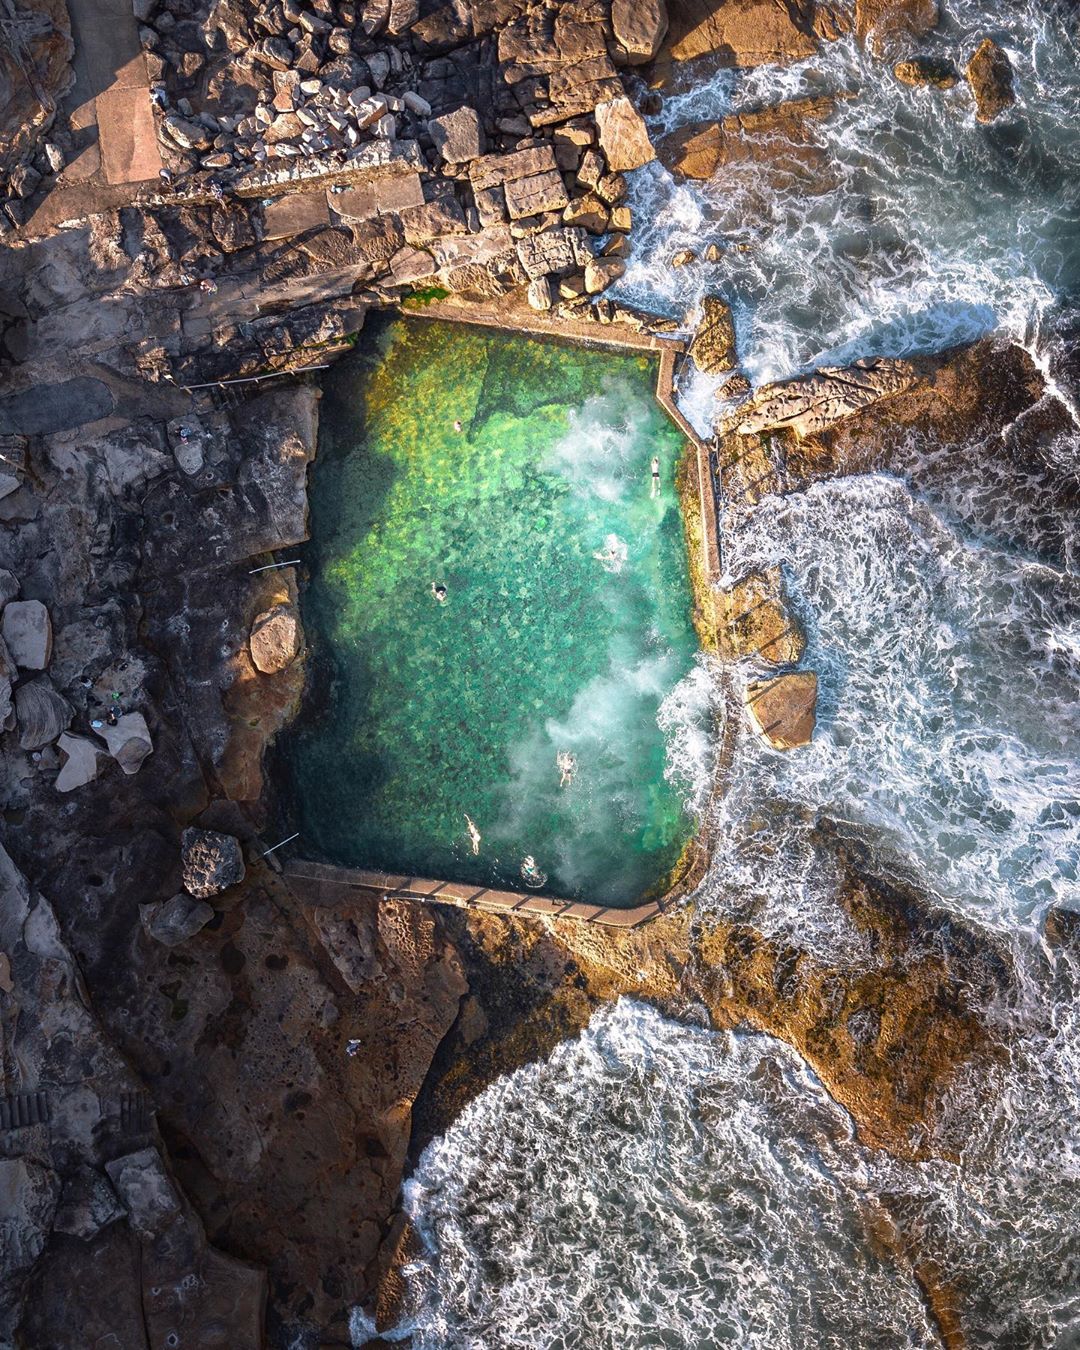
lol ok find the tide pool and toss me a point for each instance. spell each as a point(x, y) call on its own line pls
point(516, 474)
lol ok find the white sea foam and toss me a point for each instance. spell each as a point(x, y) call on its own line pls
point(936, 231)
point(652, 1184)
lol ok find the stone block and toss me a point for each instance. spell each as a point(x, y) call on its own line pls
point(624, 138)
point(457, 135)
point(535, 194)
point(27, 631)
point(784, 709)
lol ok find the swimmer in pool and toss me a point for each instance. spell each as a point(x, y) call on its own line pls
point(613, 554)
point(474, 835)
point(438, 590)
point(566, 763)
point(655, 477)
point(458, 426)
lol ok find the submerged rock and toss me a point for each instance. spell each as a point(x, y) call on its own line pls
point(713, 347)
point(760, 153)
point(881, 24)
point(211, 862)
point(784, 709)
point(990, 74)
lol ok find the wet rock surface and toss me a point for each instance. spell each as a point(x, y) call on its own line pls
point(990, 75)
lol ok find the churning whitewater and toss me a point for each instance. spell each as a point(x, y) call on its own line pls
point(653, 1184)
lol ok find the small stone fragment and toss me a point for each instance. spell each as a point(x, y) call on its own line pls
point(275, 639)
point(27, 630)
point(540, 293)
point(9, 586)
point(174, 921)
point(81, 766)
point(683, 257)
point(211, 862)
point(128, 741)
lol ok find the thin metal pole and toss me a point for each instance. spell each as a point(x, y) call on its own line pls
point(292, 562)
point(282, 844)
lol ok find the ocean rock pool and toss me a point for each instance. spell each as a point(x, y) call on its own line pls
point(516, 473)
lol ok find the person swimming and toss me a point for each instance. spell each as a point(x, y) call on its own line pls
point(474, 835)
point(566, 763)
point(439, 591)
point(531, 874)
point(655, 476)
point(613, 555)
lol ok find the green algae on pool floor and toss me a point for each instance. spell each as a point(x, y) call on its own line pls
point(566, 620)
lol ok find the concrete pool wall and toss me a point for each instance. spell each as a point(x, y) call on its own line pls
point(324, 882)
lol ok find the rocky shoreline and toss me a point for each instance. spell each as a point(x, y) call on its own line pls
point(212, 1084)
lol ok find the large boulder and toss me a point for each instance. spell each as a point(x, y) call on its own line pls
point(990, 74)
point(275, 639)
point(8, 676)
point(639, 27)
point(27, 631)
point(42, 714)
point(211, 862)
point(784, 709)
point(624, 138)
point(145, 1190)
point(713, 347)
point(922, 71)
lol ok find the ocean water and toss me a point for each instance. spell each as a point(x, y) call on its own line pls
point(516, 474)
point(655, 1184)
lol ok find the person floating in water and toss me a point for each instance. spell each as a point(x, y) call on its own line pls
point(655, 476)
point(438, 590)
point(566, 763)
point(474, 835)
point(458, 426)
point(531, 874)
point(613, 554)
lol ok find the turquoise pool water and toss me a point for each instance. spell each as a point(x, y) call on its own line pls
point(565, 623)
